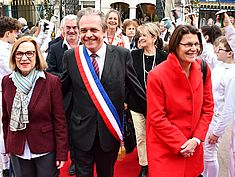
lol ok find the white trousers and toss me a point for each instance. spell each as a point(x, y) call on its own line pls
point(231, 168)
point(210, 150)
point(140, 131)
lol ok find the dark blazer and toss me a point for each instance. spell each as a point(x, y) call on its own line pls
point(167, 35)
point(54, 58)
point(137, 56)
point(118, 72)
point(47, 127)
point(60, 38)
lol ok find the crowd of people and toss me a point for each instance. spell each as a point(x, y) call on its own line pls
point(68, 94)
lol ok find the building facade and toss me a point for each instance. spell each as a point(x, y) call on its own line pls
point(143, 10)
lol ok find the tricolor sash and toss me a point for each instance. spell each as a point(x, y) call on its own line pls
point(97, 93)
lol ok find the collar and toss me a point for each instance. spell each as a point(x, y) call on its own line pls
point(101, 52)
point(65, 42)
point(163, 33)
point(41, 74)
point(228, 65)
point(5, 44)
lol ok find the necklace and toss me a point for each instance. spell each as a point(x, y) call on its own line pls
point(110, 39)
point(144, 69)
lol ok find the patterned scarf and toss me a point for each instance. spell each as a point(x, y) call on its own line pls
point(19, 110)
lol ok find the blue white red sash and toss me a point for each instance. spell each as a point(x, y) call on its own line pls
point(97, 93)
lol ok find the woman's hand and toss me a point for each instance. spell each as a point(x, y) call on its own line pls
point(212, 139)
point(59, 164)
point(188, 148)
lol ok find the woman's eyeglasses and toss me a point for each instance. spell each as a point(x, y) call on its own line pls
point(190, 45)
point(28, 54)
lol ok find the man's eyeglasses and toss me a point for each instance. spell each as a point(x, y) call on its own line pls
point(28, 54)
point(190, 45)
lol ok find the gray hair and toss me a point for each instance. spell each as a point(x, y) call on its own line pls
point(68, 17)
point(90, 12)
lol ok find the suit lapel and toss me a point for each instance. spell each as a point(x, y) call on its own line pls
point(13, 92)
point(108, 63)
point(36, 93)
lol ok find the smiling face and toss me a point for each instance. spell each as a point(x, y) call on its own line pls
point(222, 53)
point(91, 32)
point(146, 39)
point(112, 21)
point(70, 30)
point(187, 54)
point(26, 64)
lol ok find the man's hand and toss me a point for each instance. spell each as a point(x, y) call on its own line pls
point(59, 164)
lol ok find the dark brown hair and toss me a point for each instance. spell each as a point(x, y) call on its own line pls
point(213, 32)
point(178, 33)
point(129, 22)
point(8, 24)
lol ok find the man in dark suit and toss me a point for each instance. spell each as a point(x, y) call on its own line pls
point(69, 28)
point(93, 141)
point(56, 51)
point(59, 38)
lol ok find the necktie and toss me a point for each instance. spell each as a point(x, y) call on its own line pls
point(95, 64)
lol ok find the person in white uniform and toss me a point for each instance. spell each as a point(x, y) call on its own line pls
point(221, 77)
point(8, 30)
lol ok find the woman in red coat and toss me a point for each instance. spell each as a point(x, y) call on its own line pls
point(179, 108)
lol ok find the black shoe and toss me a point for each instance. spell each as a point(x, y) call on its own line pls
point(71, 170)
point(143, 171)
point(5, 173)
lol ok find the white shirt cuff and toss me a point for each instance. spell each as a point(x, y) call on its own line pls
point(197, 140)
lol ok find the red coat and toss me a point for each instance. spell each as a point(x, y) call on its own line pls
point(177, 109)
point(47, 127)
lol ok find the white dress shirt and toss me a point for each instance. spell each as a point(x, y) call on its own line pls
point(100, 58)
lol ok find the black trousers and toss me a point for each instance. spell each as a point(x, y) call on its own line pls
point(44, 166)
point(104, 161)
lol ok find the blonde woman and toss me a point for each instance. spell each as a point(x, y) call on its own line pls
point(114, 31)
point(34, 123)
point(144, 60)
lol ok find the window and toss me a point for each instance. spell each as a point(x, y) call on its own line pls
point(85, 4)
